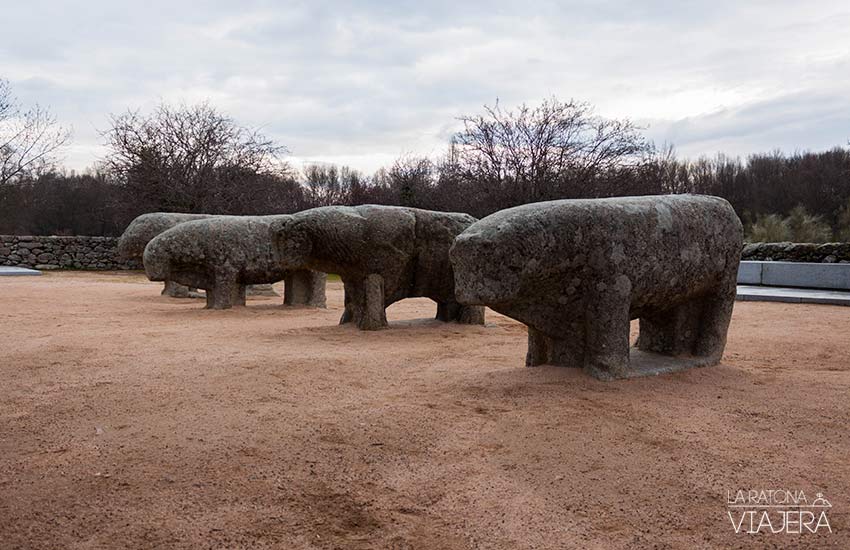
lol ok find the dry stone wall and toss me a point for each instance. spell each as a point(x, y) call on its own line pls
point(827, 253)
point(77, 252)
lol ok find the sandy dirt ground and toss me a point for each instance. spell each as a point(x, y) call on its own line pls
point(131, 420)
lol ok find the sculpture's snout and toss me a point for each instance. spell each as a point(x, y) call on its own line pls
point(482, 274)
point(155, 260)
point(290, 243)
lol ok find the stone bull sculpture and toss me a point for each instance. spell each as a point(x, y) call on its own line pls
point(382, 253)
point(577, 271)
point(141, 230)
point(225, 254)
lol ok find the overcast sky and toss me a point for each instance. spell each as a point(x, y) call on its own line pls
point(362, 82)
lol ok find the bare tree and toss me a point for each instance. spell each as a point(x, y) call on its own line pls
point(192, 159)
point(534, 153)
point(29, 138)
point(327, 184)
point(411, 180)
point(5, 99)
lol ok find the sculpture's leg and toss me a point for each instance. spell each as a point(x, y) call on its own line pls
point(374, 314)
point(567, 351)
point(470, 315)
point(175, 290)
point(455, 312)
point(226, 293)
point(195, 293)
point(317, 285)
point(714, 321)
point(654, 333)
point(447, 311)
point(607, 325)
point(348, 314)
point(672, 331)
point(538, 348)
point(305, 288)
point(365, 302)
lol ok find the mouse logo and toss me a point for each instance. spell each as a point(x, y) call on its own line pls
point(777, 511)
point(820, 502)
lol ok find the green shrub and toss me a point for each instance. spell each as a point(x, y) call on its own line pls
point(806, 228)
point(770, 228)
point(799, 227)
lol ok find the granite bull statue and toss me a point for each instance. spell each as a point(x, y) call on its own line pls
point(147, 226)
point(223, 255)
point(138, 234)
point(577, 271)
point(382, 253)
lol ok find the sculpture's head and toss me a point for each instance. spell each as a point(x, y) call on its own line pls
point(137, 235)
point(488, 263)
point(187, 253)
point(157, 258)
point(291, 242)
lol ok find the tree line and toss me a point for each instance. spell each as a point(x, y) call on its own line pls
point(193, 158)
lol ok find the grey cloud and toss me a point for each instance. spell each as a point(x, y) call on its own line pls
point(374, 79)
point(794, 122)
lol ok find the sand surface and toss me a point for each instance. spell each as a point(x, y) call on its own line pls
point(131, 420)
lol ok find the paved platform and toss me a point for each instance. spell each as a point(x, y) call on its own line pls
point(13, 271)
point(793, 295)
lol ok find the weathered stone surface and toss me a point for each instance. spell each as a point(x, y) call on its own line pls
point(577, 271)
point(222, 255)
point(143, 229)
point(382, 253)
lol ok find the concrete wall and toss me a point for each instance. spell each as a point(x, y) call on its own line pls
point(795, 274)
point(80, 252)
